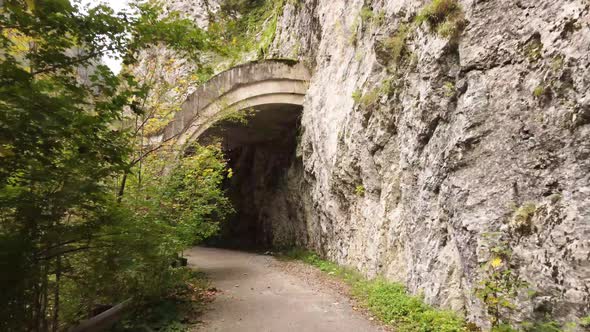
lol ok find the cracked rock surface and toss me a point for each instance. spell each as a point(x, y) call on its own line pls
point(468, 133)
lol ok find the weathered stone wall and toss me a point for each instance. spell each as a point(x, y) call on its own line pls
point(467, 136)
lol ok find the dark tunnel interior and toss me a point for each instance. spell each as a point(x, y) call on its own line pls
point(260, 146)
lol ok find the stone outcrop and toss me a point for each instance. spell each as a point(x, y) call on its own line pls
point(410, 184)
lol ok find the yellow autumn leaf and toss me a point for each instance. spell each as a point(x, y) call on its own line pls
point(30, 4)
point(496, 262)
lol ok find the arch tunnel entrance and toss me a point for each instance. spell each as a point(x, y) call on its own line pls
point(260, 148)
point(254, 111)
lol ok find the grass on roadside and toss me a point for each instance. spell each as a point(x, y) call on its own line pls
point(388, 301)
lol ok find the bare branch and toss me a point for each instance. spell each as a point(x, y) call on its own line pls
point(140, 158)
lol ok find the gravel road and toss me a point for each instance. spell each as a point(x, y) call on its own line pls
point(257, 293)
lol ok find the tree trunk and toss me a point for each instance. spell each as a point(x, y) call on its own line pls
point(122, 188)
point(55, 323)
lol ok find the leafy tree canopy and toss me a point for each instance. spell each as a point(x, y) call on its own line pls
point(65, 244)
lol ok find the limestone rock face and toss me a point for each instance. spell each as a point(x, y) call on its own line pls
point(409, 180)
point(197, 10)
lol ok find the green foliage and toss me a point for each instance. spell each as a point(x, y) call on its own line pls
point(499, 285)
point(396, 44)
point(356, 95)
point(503, 328)
point(152, 27)
point(367, 99)
point(370, 97)
point(176, 312)
point(192, 199)
point(557, 63)
point(446, 17)
point(134, 251)
point(359, 190)
point(245, 26)
point(295, 3)
point(449, 89)
point(59, 148)
point(241, 118)
point(585, 321)
point(390, 302)
point(379, 18)
point(549, 326)
point(368, 16)
point(534, 48)
point(352, 39)
point(539, 91)
point(546, 327)
point(66, 245)
point(384, 88)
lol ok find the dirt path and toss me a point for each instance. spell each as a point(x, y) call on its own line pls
point(256, 294)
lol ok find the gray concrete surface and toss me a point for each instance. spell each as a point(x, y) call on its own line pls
point(251, 85)
point(256, 295)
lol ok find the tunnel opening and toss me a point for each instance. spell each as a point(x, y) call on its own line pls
point(260, 147)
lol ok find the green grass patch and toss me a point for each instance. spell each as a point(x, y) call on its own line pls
point(446, 17)
point(388, 301)
point(396, 44)
point(539, 91)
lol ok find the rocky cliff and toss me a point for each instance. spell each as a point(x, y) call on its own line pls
point(431, 136)
point(415, 153)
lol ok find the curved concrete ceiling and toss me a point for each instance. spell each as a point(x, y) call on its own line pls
point(251, 85)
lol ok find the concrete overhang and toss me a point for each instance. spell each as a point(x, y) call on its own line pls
point(269, 85)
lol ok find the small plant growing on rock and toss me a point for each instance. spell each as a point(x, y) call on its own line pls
point(357, 95)
point(366, 14)
point(352, 39)
point(370, 98)
point(359, 190)
point(446, 17)
point(449, 89)
point(367, 99)
point(557, 63)
point(499, 286)
point(379, 18)
point(539, 91)
point(522, 219)
point(387, 87)
point(369, 16)
point(534, 48)
point(396, 44)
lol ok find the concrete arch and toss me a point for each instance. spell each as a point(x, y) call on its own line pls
point(254, 84)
